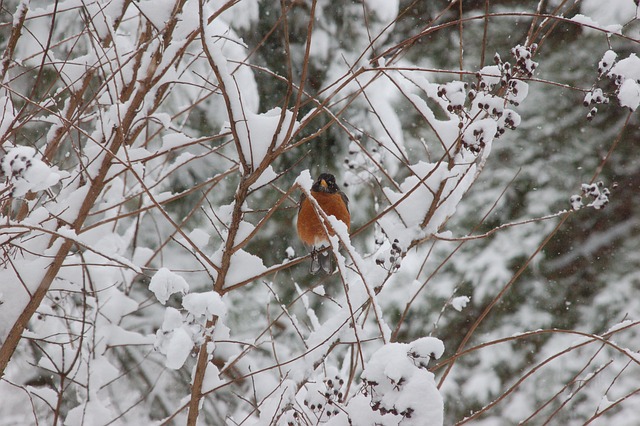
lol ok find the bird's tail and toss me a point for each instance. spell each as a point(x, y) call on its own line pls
point(321, 262)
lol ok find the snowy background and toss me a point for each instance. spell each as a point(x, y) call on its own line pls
point(151, 160)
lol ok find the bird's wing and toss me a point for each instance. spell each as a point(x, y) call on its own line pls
point(345, 199)
point(302, 198)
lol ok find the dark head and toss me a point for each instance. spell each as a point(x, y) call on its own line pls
point(325, 183)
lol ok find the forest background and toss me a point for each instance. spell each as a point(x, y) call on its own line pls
point(153, 153)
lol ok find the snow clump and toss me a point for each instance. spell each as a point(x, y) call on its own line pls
point(24, 171)
point(400, 386)
point(184, 329)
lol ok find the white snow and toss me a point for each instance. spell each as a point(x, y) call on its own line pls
point(178, 349)
point(290, 252)
point(211, 378)
point(265, 178)
point(7, 114)
point(611, 14)
point(518, 92)
point(26, 172)
point(399, 384)
point(244, 266)
point(589, 22)
point(490, 75)
point(30, 272)
point(157, 11)
point(629, 94)
point(117, 336)
point(181, 331)
point(89, 413)
point(386, 10)
point(257, 133)
point(320, 43)
point(95, 309)
point(414, 201)
point(172, 319)
point(242, 14)
point(207, 304)
point(454, 92)
point(460, 302)
point(619, 326)
point(607, 61)
point(427, 347)
point(115, 304)
point(165, 283)
point(627, 68)
point(46, 394)
point(22, 9)
point(175, 140)
point(304, 180)
point(199, 237)
point(319, 290)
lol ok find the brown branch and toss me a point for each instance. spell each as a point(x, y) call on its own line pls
point(120, 136)
point(501, 294)
point(16, 32)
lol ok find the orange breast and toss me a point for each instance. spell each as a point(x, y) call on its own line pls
point(310, 228)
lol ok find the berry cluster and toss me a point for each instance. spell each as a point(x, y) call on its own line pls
point(523, 54)
point(485, 116)
point(595, 96)
point(394, 376)
point(291, 417)
point(369, 388)
point(624, 75)
point(475, 138)
point(391, 259)
point(454, 93)
point(606, 63)
point(290, 253)
point(596, 191)
point(361, 165)
point(23, 171)
point(616, 77)
point(509, 76)
point(325, 398)
point(421, 360)
point(15, 165)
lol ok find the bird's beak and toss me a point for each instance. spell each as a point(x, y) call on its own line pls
point(323, 183)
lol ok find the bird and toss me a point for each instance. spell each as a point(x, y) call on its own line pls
point(309, 225)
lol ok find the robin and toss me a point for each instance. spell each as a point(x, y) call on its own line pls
point(310, 228)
